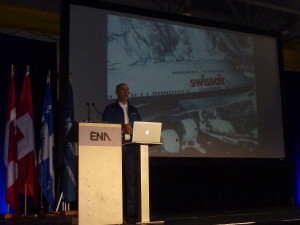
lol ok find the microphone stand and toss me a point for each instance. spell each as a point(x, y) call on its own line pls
point(97, 110)
point(89, 112)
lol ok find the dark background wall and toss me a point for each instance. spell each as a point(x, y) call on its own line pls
point(197, 185)
point(292, 121)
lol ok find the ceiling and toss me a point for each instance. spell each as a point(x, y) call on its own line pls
point(282, 16)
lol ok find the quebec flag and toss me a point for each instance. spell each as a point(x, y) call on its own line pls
point(45, 160)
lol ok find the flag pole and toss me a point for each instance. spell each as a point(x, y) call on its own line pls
point(41, 177)
point(53, 188)
point(12, 71)
point(59, 201)
point(25, 202)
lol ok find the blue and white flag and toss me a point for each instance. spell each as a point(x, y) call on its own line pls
point(69, 179)
point(45, 160)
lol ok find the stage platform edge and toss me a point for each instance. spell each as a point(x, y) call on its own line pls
point(39, 215)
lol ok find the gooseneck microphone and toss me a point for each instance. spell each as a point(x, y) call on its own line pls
point(89, 112)
point(97, 110)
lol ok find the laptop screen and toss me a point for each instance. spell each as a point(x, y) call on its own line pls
point(146, 132)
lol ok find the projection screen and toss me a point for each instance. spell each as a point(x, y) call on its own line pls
point(216, 91)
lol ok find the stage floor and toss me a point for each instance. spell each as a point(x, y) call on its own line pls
point(268, 216)
point(261, 216)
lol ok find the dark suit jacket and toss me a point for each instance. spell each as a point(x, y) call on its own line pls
point(113, 113)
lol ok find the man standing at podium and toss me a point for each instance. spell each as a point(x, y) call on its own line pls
point(123, 112)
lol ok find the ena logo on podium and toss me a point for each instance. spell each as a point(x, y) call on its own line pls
point(99, 136)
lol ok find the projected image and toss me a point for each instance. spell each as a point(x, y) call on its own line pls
point(150, 55)
point(199, 83)
point(224, 130)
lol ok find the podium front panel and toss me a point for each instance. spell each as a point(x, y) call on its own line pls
point(100, 174)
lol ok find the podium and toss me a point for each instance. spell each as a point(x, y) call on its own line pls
point(100, 191)
point(100, 174)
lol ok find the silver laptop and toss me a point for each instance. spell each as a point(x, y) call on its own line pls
point(146, 132)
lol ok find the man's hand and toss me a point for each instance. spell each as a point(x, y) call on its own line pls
point(127, 128)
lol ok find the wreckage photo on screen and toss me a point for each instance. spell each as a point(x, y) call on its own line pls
point(209, 77)
point(216, 91)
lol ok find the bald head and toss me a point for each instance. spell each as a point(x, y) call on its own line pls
point(122, 91)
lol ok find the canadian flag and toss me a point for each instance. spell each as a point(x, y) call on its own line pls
point(10, 150)
point(26, 142)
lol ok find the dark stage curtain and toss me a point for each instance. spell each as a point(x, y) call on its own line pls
point(292, 110)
